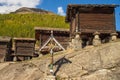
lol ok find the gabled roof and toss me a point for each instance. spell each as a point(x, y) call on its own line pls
point(72, 9)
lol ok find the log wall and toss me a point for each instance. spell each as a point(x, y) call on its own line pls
point(24, 47)
point(63, 39)
point(101, 22)
point(61, 35)
point(72, 26)
point(5, 51)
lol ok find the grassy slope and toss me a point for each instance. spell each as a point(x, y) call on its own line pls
point(22, 25)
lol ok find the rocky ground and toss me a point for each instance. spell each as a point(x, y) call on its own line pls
point(91, 63)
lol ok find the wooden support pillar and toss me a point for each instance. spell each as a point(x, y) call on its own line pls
point(114, 36)
point(96, 40)
point(40, 44)
point(15, 57)
point(2, 58)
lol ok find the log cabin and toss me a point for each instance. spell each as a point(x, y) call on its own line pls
point(5, 48)
point(24, 49)
point(61, 37)
point(92, 22)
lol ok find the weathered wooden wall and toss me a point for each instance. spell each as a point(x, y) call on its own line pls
point(92, 22)
point(72, 26)
point(61, 35)
point(24, 49)
point(62, 38)
point(5, 50)
point(91, 18)
point(101, 22)
point(43, 38)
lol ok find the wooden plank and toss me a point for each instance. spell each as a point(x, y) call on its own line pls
point(92, 31)
point(3, 51)
point(3, 46)
point(24, 53)
point(63, 39)
point(25, 49)
point(2, 55)
point(25, 44)
point(28, 54)
point(95, 21)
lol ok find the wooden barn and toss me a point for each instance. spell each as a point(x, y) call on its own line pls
point(24, 49)
point(5, 48)
point(92, 22)
point(61, 36)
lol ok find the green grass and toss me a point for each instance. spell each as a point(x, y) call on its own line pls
point(22, 25)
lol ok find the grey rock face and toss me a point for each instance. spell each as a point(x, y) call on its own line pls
point(91, 63)
point(98, 63)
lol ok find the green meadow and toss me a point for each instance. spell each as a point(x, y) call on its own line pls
point(22, 25)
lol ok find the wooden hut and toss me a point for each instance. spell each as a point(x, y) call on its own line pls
point(5, 48)
point(24, 48)
point(61, 36)
point(91, 19)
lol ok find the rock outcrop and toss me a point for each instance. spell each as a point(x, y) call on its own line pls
point(94, 62)
point(91, 63)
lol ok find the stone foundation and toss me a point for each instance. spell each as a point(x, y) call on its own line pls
point(114, 36)
point(76, 43)
point(96, 40)
point(15, 58)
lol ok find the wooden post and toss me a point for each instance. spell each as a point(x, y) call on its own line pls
point(51, 52)
point(15, 57)
point(51, 77)
point(77, 22)
point(51, 64)
point(40, 44)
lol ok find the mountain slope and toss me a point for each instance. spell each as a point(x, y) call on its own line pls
point(22, 25)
